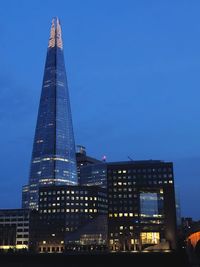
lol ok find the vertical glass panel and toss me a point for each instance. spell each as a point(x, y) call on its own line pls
point(148, 204)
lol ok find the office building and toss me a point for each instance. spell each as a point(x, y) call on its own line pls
point(83, 159)
point(95, 174)
point(141, 206)
point(14, 229)
point(64, 210)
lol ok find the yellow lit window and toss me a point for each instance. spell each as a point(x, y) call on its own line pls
point(150, 237)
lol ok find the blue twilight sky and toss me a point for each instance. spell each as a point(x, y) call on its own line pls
point(134, 78)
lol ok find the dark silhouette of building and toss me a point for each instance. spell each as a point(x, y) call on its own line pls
point(14, 229)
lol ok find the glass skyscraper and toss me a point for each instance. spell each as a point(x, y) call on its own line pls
point(53, 156)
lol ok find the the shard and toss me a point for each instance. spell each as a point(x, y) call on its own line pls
point(53, 157)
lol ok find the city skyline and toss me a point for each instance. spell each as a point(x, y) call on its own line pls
point(109, 119)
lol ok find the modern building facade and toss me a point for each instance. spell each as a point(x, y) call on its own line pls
point(83, 159)
point(67, 210)
point(53, 156)
point(141, 206)
point(25, 197)
point(14, 229)
point(94, 174)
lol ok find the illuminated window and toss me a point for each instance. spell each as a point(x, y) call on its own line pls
point(148, 204)
point(150, 237)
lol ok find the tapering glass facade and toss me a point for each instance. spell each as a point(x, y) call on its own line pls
point(53, 157)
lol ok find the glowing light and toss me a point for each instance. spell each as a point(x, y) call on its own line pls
point(104, 158)
point(52, 35)
point(194, 238)
point(58, 35)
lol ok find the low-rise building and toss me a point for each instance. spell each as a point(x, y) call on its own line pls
point(14, 229)
point(64, 210)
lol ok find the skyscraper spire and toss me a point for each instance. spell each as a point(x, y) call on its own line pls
point(53, 157)
point(52, 40)
point(55, 38)
point(58, 35)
